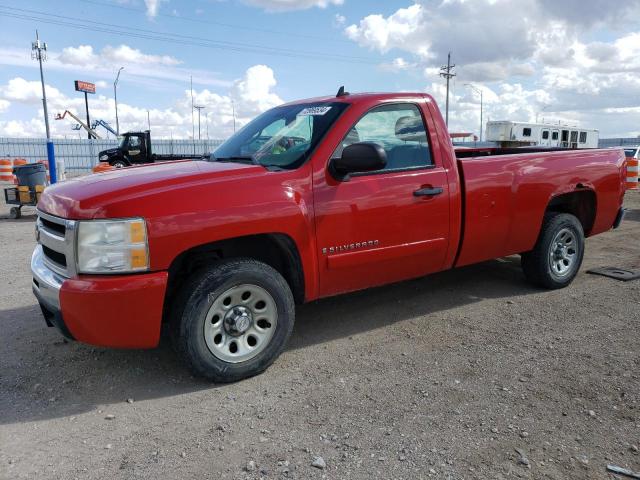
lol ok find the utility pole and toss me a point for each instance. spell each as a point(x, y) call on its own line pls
point(478, 90)
point(148, 120)
point(193, 125)
point(445, 71)
point(115, 98)
point(199, 107)
point(39, 52)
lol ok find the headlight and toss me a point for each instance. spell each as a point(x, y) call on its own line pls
point(112, 246)
point(104, 158)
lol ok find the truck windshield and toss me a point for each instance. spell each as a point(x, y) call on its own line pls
point(630, 152)
point(281, 137)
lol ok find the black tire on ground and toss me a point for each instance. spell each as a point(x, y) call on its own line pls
point(193, 303)
point(119, 164)
point(15, 213)
point(556, 258)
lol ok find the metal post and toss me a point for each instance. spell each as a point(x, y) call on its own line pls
point(199, 108)
point(481, 111)
point(148, 120)
point(86, 106)
point(38, 51)
point(115, 98)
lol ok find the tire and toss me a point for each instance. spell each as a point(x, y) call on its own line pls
point(15, 213)
point(205, 326)
point(557, 256)
point(119, 164)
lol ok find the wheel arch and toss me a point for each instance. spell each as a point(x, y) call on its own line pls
point(277, 250)
point(581, 203)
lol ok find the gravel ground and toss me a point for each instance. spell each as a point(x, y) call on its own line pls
point(470, 373)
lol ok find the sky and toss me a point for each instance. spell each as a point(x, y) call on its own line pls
point(570, 61)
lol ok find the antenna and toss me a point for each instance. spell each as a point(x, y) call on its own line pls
point(341, 92)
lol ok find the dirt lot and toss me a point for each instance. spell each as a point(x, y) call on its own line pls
point(458, 375)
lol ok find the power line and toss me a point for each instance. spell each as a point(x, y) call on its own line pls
point(177, 39)
point(212, 22)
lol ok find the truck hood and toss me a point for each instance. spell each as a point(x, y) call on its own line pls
point(109, 151)
point(90, 197)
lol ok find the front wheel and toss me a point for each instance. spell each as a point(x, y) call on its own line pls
point(119, 164)
point(556, 258)
point(233, 319)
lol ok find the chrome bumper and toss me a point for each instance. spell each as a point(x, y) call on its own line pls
point(46, 283)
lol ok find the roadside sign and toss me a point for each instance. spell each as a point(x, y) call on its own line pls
point(85, 87)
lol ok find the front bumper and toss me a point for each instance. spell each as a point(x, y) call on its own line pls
point(123, 311)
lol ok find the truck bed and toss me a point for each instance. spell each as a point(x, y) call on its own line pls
point(505, 194)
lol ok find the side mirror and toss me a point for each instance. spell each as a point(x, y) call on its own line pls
point(359, 157)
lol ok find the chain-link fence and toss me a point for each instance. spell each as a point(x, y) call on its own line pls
point(81, 155)
point(618, 142)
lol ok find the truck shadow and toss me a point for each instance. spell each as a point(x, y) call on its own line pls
point(44, 377)
point(632, 216)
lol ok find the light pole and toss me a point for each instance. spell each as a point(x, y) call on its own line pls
point(115, 98)
point(39, 52)
point(199, 108)
point(148, 120)
point(478, 90)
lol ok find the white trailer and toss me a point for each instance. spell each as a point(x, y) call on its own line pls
point(515, 134)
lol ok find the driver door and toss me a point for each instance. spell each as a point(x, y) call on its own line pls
point(390, 224)
point(135, 151)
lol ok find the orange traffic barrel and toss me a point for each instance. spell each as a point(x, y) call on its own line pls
point(102, 167)
point(632, 173)
point(16, 163)
point(6, 170)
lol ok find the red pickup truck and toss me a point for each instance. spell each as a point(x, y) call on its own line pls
point(311, 199)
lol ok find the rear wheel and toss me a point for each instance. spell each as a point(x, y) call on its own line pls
point(556, 258)
point(234, 321)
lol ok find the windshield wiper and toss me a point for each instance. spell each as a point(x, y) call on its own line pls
point(239, 159)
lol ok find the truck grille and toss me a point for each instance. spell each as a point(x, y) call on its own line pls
point(57, 237)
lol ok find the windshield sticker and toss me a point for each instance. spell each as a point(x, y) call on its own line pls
point(314, 111)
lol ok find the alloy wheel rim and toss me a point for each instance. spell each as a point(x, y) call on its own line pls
point(240, 323)
point(563, 252)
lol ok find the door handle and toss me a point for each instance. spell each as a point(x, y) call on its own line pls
point(428, 192)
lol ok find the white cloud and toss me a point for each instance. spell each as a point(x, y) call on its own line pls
point(398, 64)
point(249, 95)
point(530, 54)
point(285, 5)
point(150, 70)
point(153, 6)
point(84, 55)
point(339, 20)
point(4, 105)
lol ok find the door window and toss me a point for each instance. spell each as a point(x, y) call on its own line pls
point(134, 142)
point(554, 135)
point(399, 129)
point(526, 132)
point(545, 135)
point(583, 137)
